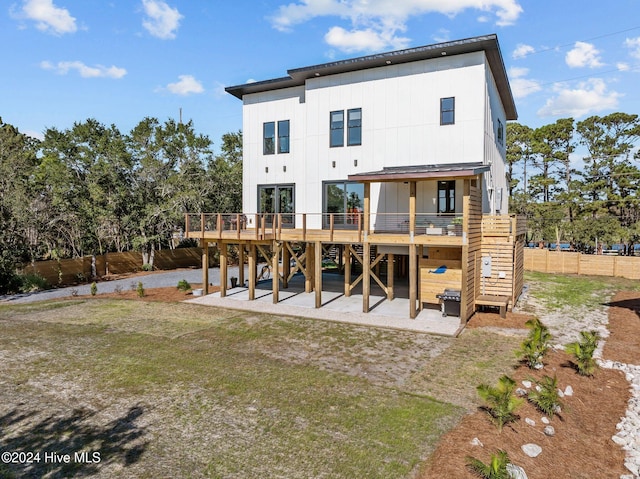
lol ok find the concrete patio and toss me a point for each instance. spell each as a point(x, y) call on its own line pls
point(293, 301)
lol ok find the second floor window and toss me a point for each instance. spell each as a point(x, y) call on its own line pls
point(283, 136)
point(269, 138)
point(354, 126)
point(447, 111)
point(337, 128)
point(500, 133)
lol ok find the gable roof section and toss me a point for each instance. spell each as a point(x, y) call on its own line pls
point(487, 43)
point(422, 172)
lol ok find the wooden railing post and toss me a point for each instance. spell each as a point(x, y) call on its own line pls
point(304, 227)
point(202, 225)
point(219, 225)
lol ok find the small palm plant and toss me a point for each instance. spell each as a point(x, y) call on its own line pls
point(536, 345)
point(501, 402)
point(582, 352)
point(545, 396)
point(495, 469)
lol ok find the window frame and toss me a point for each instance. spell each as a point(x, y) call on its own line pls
point(354, 132)
point(446, 111)
point(449, 189)
point(333, 130)
point(290, 215)
point(268, 142)
point(284, 146)
point(346, 219)
point(500, 133)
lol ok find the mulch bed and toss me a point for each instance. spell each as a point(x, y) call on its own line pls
point(582, 447)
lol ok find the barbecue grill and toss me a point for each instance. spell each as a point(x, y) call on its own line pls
point(450, 302)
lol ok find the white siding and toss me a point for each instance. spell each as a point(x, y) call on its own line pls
point(400, 127)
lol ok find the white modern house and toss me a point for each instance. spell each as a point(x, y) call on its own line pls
point(398, 154)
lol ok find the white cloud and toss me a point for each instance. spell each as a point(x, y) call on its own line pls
point(583, 55)
point(522, 51)
point(521, 86)
point(48, 17)
point(362, 40)
point(186, 85)
point(375, 24)
point(623, 67)
point(85, 71)
point(587, 98)
point(633, 44)
point(161, 20)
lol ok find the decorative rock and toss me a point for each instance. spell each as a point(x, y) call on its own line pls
point(531, 450)
point(526, 384)
point(476, 442)
point(568, 391)
point(544, 420)
point(521, 392)
point(530, 422)
point(538, 366)
point(516, 472)
point(549, 431)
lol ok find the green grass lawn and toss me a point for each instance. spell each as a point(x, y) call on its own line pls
point(203, 392)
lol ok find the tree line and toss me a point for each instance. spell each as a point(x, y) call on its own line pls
point(91, 189)
point(589, 205)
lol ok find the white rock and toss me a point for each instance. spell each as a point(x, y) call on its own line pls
point(549, 431)
point(530, 421)
point(526, 384)
point(544, 420)
point(568, 391)
point(620, 441)
point(521, 392)
point(516, 472)
point(476, 442)
point(532, 450)
point(560, 393)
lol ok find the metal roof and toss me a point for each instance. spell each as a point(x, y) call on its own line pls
point(487, 43)
point(422, 172)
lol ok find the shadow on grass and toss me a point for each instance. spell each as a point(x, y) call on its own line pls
point(90, 447)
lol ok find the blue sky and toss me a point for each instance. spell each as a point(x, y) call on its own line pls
point(118, 61)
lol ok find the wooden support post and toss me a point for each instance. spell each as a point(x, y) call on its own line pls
point(223, 269)
point(286, 266)
point(347, 270)
point(275, 272)
point(253, 271)
point(205, 266)
point(366, 276)
point(310, 268)
point(318, 273)
point(390, 294)
point(367, 208)
point(241, 264)
point(413, 280)
point(412, 208)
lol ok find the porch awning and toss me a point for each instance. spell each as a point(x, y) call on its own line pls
point(421, 172)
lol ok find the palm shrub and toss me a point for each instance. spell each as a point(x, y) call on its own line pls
point(500, 401)
point(582, 352)
point(140, 289)
point(183, 285)
point(94, 289)
point(495, 469)
point(536, 345)
point(545, 395)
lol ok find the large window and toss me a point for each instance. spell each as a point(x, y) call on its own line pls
point(269, 138)
point(447, 111)
point(446, 196)
point(345, 201)
point(500, 134)
point(283, 136)
point(337, 128)
point(277, 199)
point(354, 126)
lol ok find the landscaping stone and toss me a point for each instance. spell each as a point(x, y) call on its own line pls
point(516, 472)
point(527, 384)
point(549, 431)
point(530, 422)
point(568, 391)
point(531, 450)
point(476, 442)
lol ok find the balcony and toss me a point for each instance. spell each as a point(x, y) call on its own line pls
point(395, 228)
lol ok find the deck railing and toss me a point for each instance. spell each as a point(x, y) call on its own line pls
point(260, 224)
